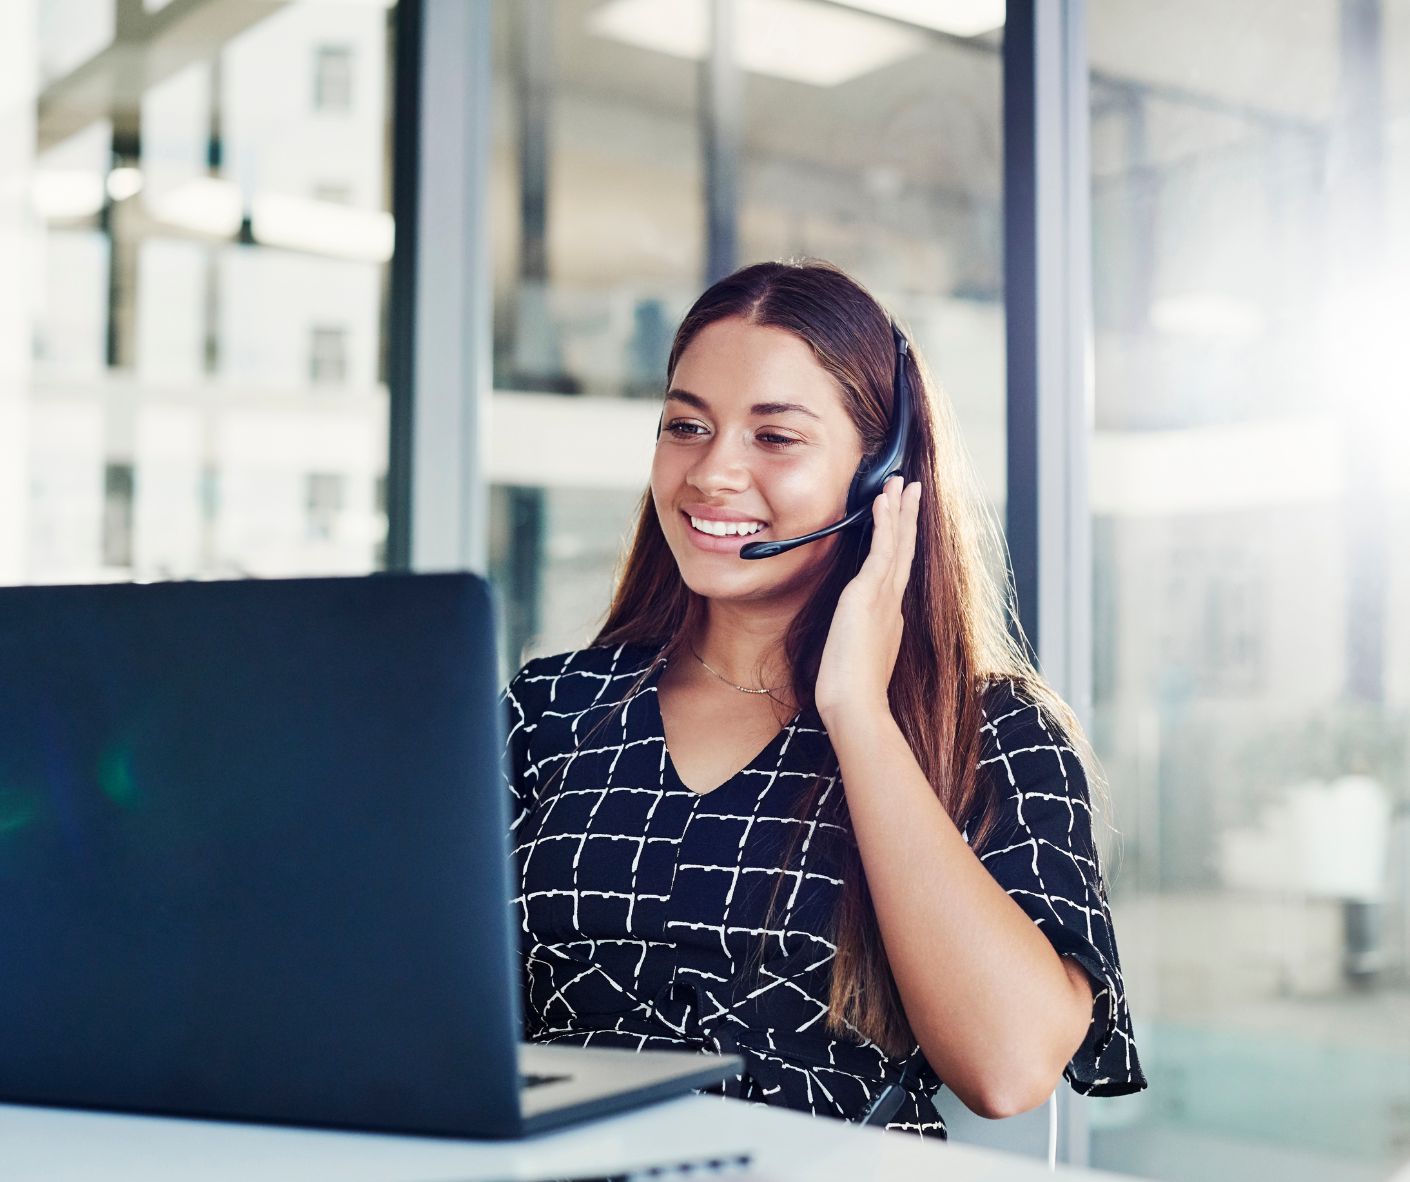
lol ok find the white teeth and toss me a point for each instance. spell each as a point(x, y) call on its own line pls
point(726, 529)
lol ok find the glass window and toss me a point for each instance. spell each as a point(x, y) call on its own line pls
point(328, 355)
point(332, 192)
point(866, 139)
point(1251, 523)
point(332, 79)
point(323, 504)
point(117, 515)
point(192, 256)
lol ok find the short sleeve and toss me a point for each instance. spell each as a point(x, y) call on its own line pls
point(1043, 854)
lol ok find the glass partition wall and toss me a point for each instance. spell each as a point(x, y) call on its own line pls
point(195, 219)
point(1251, 539)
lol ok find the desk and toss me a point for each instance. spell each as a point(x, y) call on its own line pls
point(61, 1145)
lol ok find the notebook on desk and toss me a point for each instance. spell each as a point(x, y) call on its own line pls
point(254, 863)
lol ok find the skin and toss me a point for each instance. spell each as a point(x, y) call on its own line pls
point(727, 457)
point(996, 1011)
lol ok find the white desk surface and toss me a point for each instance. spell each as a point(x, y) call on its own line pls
point(62, 1145)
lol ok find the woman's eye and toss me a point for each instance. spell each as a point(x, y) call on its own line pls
point(685, 429)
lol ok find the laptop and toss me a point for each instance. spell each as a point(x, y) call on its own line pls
point(254, 863)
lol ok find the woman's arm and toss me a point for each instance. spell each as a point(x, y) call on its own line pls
point(997, 1012)
point(995, 1009)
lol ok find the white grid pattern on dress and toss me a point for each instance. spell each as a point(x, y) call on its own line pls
point(641, 900)
point(1048, 834)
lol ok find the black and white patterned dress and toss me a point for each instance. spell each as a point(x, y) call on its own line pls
point(643, 902)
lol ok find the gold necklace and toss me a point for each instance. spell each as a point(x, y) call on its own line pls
point(743, 689)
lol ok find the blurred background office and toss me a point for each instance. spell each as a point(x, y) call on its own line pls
point(220, 356)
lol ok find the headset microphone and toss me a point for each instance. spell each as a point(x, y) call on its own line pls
point(871, 476)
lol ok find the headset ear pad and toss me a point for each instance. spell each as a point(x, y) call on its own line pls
point(864, 486)
point(872, 472)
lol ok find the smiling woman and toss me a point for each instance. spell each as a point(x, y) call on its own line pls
point(818, 810)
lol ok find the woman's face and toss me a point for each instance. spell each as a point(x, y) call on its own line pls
point(753, 432)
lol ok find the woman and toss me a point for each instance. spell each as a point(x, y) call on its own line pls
point(815, 809)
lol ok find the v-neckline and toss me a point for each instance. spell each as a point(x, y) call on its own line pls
point(669, 764)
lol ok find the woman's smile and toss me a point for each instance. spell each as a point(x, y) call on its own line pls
point(723, 537)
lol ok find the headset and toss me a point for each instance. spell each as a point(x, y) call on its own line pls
point(872, 474)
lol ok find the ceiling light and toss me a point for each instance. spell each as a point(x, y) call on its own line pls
point(322, 227)
point(62, 193)
point(793, 39)
point(959, 18)
point(124, 182)
point(201, 205)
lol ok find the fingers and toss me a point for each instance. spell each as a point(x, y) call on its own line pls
point(908, 515)
point(895, 513)
point(882, 557)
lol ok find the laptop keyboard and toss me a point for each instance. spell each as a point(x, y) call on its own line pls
point(529, 1080)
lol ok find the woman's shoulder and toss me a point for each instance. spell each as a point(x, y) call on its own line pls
point(1015, 713)
point(1034, 776)
point(577, 677)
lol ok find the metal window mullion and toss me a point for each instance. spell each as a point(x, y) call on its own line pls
point(1073, 415)
point(441, 315)
point(1047, 239)
point(401, 278)
point(722, 117)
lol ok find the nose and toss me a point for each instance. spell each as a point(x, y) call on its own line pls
point(720, 465)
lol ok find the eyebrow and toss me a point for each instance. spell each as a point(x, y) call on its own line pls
point(759, 408)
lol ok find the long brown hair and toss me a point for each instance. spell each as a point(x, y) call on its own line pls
point(957, 610)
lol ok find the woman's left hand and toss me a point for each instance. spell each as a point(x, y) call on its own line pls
point(865, 636)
